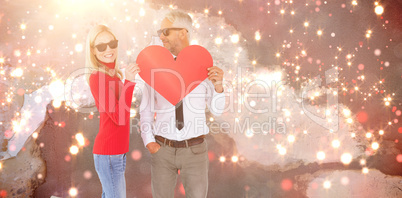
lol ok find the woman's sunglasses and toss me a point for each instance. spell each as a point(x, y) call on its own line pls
point(166, 31)
point(102, 47)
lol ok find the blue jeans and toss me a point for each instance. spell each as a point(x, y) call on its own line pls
point(110, 169)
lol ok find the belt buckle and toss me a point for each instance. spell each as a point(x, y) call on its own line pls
point(170, 143)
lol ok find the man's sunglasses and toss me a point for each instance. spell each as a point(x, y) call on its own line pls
point(102, 47)
point(166, 31)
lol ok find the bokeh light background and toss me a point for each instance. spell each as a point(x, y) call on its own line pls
point(327, 72)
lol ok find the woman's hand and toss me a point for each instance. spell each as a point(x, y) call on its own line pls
point(131, 70)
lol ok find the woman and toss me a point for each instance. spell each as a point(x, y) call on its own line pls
point(113, 100)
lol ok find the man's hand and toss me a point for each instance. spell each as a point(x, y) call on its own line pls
point(131, 70)
point(215, 75)
point(153, 147)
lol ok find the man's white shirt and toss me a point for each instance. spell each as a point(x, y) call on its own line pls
point(164, 124)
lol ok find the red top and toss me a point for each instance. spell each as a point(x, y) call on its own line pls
point(113, 100)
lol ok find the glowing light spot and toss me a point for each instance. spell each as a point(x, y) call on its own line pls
point(206, 11)
point(133, 113)
point(23, 26)
point(327, 184)
point(369, 135)
point(346, 112)
point(399, 158)
point(73, 192)
point(35, 135)
point(306, 24)
point(320, 155)
point(365, 170)
point(362, 162)
point(282, 151)
point(377, 52)
point(257, 36)
point(74, 150)
point(80, 139)
point(360, 66)
point(17, 126)
point(136, 155)
point(249, 133)
point(381, 132)
point(56, 103)
point(319, 32)
point(344, 181)
point(235, 159)
point(346, 158)
point(18, 72)
point(286, 184)
point(291, 138)
point(336, 143)
point(379, 10)
point(287, 113)
point(87, 174)
point(349, 120)
point(142, 12)
point(194, 42)
point(375, 145)
point(362, 117)
point(79, 47)
point(38, 99)
point(56, 88)
point(3, 193)
point(218, 40)
point(354, 3)
point(235, 38)
point(222, 159)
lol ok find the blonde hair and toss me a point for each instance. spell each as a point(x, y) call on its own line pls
point(181, 19)
point(91, 62)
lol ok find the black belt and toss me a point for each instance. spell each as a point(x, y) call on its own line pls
point(183, 143)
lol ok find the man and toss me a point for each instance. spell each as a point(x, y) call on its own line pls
point(176, 138)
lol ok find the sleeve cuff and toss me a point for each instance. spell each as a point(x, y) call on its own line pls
point(148, 140)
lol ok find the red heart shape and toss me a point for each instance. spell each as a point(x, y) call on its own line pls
point(174, 79)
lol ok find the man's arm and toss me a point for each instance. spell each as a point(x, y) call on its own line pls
point(147, 120)
point(215, 97)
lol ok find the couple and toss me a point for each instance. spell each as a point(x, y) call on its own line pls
point(184, 149)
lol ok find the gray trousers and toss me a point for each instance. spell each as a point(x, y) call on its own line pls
point(193, 164)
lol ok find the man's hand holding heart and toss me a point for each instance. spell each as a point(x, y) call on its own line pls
point(215, 75)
